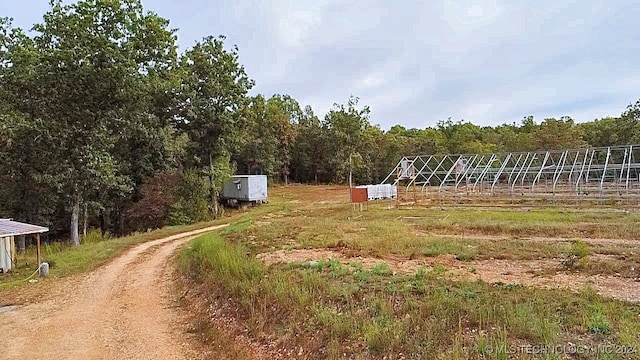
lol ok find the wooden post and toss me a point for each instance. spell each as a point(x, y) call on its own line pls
point(85, 220)
point(38, 249)
point(350, 175)
point(13, 251)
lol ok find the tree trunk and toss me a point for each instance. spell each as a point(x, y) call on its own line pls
point(216, 206)
point(315, 174)
point(212, 189)
point(120, 221)
point(85, 220)
point(21, 244)
point(75, 214)
point(103, 225)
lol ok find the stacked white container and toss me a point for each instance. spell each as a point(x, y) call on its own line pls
point(380, 191)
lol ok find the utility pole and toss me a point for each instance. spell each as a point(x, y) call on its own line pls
point(350, 176)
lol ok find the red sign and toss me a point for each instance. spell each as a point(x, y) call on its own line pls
point(359, 195)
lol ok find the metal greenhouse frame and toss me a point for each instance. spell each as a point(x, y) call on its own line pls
point(597, 172)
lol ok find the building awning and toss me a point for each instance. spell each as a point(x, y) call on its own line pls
point(9, 228)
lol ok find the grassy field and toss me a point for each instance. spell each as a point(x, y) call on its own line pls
point(359, 305)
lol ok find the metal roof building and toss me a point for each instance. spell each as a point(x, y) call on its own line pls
point(8, 230)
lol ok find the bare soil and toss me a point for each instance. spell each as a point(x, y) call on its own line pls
point(543, 273)
point(124, 310)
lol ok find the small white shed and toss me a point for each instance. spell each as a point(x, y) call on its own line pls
point(9, 229)
point(246, 188)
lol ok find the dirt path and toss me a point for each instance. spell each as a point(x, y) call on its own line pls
point(122, 310)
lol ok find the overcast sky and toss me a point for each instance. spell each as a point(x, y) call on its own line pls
point(417, 62)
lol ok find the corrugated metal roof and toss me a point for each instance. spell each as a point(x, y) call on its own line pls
point(247, 176)
point(14, 228)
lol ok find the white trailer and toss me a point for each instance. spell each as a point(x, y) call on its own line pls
point(245, 189)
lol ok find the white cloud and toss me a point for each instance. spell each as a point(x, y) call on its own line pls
point(295, 21)
point(466, 16)
point(380, 75)
point(392, 98)
point(371, 80)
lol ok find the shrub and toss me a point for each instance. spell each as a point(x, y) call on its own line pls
point(170, 198)
point(94, 236)
point(158, 195)
point(577, 251)
point(599, 325)
point(192, 204)
point(598, 322)
point(580, 249)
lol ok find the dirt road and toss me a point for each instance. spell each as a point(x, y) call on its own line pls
point(123, 310)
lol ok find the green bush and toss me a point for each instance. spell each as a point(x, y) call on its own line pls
point(94, 236)
point(580, 249)
point(192, 203)
point(598, 323)
point(577, 251)
point(381, 269)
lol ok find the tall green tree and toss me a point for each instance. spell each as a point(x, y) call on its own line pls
point(269, 136)
point(28, 186)
point(214, 92)
point(284, 115)
point(257, 152)
point(621, 130)
point(629, 126)
point(82, 77)
point(560, 133)
point(345, 125)
point(310, 148)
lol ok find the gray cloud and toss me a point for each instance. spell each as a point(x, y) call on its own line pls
point(417, 62)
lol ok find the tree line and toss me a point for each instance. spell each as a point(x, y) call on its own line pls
point(104, 123)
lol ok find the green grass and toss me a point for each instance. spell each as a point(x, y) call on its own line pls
point(94, 251)
point(468, 234)
point(330, 309)
point(335, 309)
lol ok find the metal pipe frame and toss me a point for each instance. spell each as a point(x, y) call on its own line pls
point(553, 172)
point(444, 181)
point(500, 171)
point(466, 171)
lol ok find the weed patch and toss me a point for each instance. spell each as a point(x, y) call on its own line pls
point(576, 254)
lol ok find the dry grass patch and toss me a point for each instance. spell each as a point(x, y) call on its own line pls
point(329, 308)
point(355, 300)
